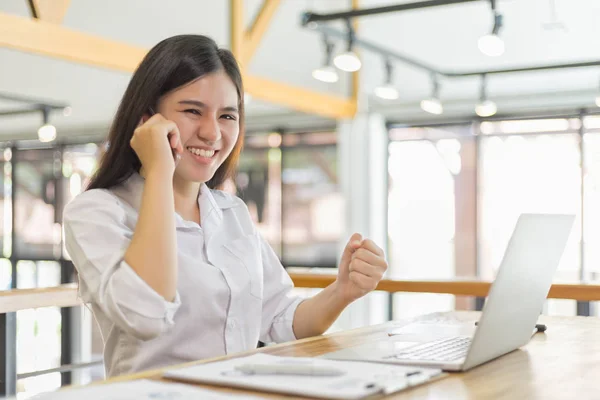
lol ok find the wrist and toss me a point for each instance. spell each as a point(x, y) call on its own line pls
point(340, 294)
point(158, 175)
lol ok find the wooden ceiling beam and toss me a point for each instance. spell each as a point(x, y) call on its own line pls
point(48, 39)
point(255, 33)
point(236, 29)
point(300, 99)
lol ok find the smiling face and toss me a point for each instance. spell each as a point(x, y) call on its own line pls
point(206, 113)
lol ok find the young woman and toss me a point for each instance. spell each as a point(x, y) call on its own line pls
point(173, 268)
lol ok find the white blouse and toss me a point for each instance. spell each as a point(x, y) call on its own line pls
point(231, 292)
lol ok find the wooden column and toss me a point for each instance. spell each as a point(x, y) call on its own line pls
point(465, 239)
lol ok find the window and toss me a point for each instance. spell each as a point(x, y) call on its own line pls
point(425, 166)
point(79, 162)
point(38, 330)
point(444, 209)
point(591, 202)
point(37, 248)
point(258, 183)
point(289, 183)
point(529, 172)
point(36, 234)
point(313, 208)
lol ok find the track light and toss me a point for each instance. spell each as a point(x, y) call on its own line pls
point(492, 45)
point(46, 132)
point(327, 72)
point(348, 61)
point(485, 108)
point(387, 91)
point(433, 105)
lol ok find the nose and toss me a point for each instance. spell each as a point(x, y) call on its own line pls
point(210, 131)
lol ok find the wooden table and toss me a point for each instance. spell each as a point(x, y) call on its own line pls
point(563, 363)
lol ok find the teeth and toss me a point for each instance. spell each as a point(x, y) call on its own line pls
point(201, 152)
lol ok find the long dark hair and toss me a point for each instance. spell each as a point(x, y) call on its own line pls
point(170, 64)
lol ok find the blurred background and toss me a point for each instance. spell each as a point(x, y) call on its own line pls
point(457, 117)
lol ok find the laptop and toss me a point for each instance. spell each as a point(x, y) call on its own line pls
point(515, 300)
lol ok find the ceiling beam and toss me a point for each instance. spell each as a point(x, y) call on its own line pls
point(300, 99)
point(256, 32)
point(49, 10)
point(39, 37)
point(236, 28)
point(277, 93)
point(30, 100)
point(48, 39)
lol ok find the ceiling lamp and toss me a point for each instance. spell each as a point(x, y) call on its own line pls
point(486, 107)
point(492, 45)
point(387, 91)
point(348, 61)
point(433, 105)
point(326, 73)
point(46, 132)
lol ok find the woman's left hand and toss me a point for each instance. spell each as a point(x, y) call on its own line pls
point(361, 268)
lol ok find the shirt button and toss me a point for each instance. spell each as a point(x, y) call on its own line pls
point(231, 324)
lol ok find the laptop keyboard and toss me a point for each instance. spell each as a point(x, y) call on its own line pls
point(448, 349)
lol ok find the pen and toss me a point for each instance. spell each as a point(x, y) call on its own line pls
point(291, 369)
point(538, 327)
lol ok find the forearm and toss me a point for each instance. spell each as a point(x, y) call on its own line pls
point(152, 252)
point(316, 314)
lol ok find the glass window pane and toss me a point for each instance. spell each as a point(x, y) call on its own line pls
point(37, 235)
point(519, 126)
point(5, 274)
point(591, 199)
point(258, 183)
point(591, 204)
point(528, 173)
point(38, 339)
point(313, 207)
point(421, 211)
point(5, 202)
point(79, 164)
point(38, 330)
point(32, 274)
point(423, 206)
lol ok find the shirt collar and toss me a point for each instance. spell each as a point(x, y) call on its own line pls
point(211, 202)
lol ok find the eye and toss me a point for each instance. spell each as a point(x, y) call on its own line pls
point(229, 117)
point(192, 111)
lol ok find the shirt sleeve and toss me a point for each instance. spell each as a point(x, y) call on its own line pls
point(96, 238)
point(279, 303)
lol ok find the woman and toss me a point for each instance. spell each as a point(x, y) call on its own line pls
point(173, 268)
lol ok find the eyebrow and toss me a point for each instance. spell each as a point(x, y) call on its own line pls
point(203, 105)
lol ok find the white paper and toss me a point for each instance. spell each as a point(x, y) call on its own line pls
point(361, 379)
point(143, 389)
